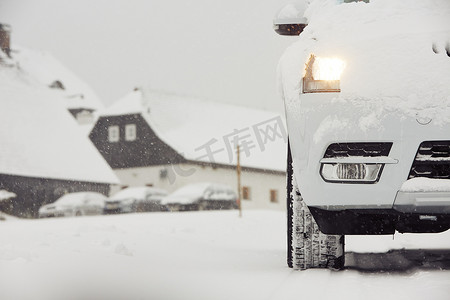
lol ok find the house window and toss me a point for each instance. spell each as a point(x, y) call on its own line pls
point(130, 132)
point(274, 196)
point(246, 193)
point(163, 173)
point(113, 134)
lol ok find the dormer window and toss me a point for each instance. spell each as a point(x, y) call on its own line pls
point(113, 134)
point(130, 132)
point(57, 85)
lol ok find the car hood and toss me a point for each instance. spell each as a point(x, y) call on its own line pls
point(396, 64)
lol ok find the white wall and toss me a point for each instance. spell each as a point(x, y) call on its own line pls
point(260, 183)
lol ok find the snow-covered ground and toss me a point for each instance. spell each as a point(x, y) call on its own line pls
point(206, 255)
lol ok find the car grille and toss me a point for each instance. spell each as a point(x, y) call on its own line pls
point(358, 149)
point(432, 160)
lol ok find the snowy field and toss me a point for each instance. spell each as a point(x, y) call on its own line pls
point(206, 255)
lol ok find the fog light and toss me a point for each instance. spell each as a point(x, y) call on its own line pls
point(351, 172)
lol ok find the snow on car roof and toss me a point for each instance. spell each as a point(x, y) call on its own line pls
point(41, 138)
point(396, 54)
point(137, 192)
point(191, 125)
point(78, 198)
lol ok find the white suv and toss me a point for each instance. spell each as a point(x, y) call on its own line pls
point(367, 96)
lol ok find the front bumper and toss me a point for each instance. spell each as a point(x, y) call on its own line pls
point(317, 121)
point(378, 221)
point(418, 212)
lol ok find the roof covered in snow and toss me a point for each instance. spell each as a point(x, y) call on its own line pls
point(39, 137)
point(209, 131)
point(46, 70)
point(5, 195)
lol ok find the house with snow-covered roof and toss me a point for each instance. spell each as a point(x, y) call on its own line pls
point(43, 152)
point(77, 96)
point(166, 140)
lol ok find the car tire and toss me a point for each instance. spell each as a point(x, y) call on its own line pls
point(307, 247)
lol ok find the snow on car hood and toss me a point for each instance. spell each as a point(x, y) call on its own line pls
point(396, 54)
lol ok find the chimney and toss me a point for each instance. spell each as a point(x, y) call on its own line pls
point(5, 36)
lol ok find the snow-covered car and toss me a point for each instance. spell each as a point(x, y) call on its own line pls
point(74, 204)
point(136, 199)
point(367, 100)
point(201, 196)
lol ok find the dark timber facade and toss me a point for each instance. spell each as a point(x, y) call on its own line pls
point(146, 149)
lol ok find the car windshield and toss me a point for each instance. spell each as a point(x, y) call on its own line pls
point(191, 191)
point(138, 193)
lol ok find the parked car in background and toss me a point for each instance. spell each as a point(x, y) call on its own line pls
point(202, 196)
point(74, 204)
point(136, 199)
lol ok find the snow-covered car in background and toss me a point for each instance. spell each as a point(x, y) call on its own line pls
point(202, 196)
point(74, 204)
point(136, 199)
point(367, 100)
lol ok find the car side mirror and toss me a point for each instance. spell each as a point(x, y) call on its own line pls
point(290, 20)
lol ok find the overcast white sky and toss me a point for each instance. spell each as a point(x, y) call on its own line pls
point(220, 50)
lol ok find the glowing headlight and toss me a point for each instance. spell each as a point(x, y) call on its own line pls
point(351, 172)
point(127, 201)
point(323, 75)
